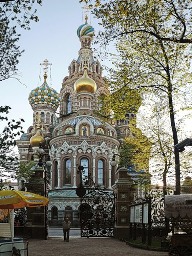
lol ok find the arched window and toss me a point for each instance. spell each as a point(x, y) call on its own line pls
point(100, 177)
point(85, 163)
point(48, 118)
point(52, 118)
point(54, 213)
point(56, 174)
point(68, 104)
point(67, 172)
point(42, 117)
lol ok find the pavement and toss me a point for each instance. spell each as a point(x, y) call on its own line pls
point(78, 246)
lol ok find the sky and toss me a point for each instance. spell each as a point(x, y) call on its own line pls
point(54, 38)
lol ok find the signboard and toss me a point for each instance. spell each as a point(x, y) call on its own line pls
point(138, 213)
point(145, 213)
point(178, 205)
point(132, 214)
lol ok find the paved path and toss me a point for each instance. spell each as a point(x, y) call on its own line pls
point(86, 247)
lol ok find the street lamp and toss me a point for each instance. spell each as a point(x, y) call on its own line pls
point(80, 190)
point(114, 161)
point(180, 147)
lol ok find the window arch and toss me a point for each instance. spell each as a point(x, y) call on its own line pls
point(67, 172)
point(85, 163)
point(100, 176)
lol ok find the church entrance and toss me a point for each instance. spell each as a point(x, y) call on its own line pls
point(97, 214)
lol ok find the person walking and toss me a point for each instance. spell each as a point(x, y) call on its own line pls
point(66, 229)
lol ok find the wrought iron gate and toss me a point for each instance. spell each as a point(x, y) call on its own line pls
point(97, 214)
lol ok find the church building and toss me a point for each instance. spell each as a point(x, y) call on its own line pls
point(78, 136)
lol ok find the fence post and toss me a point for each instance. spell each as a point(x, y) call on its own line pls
point(149, 222)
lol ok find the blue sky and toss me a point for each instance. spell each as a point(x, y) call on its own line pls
point(54, 38)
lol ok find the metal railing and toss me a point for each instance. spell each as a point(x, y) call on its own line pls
point(17, 248)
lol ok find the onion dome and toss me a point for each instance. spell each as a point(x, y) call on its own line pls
point(85, 30)
point(85, 84)
point(44, 96)
point(24, 137)
point(37, 139)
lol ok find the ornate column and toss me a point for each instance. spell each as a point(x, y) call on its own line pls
point(59, 171)
point(93, 174)
point(109, 175)
point(74, 170)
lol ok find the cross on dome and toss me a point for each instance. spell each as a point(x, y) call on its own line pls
point(86, 13)
point(45, 65)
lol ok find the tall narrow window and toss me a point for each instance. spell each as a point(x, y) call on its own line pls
point(100, 172)
point(56, 174)
point(48, 118)
point(54, 213)
point(67, 172)
point(68, 104)
point(85, 164)
point(42, 117)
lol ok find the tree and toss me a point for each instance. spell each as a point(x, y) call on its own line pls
point(135, 149)
point(172, 18)
point(13, 128)
point(161, 155)
point(152, 57)
point(14, 14)
point(24, 170)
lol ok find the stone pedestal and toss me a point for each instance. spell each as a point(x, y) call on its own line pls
point(123, 189)
point(36, 216)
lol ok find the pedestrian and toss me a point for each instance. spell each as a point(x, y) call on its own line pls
point(66, 229)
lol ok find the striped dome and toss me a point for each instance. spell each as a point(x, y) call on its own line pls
point(44, 96)
point(85, 30)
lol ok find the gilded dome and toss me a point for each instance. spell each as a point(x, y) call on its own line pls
point(85, 84)
point(44, 96)
point(37, 139)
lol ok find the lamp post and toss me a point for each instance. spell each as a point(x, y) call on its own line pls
point(80, 190)
point(180, 147)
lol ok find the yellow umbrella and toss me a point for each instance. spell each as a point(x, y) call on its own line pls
point(12, 199)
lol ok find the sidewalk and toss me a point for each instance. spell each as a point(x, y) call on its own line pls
point(78, 246)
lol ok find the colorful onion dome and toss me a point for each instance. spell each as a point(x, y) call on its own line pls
point(44, 96)
point(37, 139)
point(85, 84)
point(85, 30)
